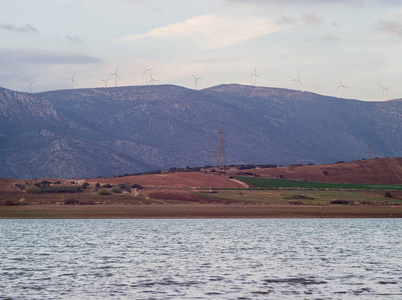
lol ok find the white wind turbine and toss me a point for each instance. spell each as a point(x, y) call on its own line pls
point(340, 87)
point(30, 84)
point(195, 81)
point(105, 81)
point(152, 79)
point(115, 76)
point(255, 76)
point(72, 80)
point(383, 90)
point(145, 73)
point(297, 80)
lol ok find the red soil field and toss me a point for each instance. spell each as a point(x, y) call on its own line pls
point(177, 180)
point(372, 171)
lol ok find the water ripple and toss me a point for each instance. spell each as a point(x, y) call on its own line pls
point(200, 259)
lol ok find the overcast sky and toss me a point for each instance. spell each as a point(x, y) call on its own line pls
point(358, 41)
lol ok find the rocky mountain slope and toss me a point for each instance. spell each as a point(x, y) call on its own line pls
point(111, 131)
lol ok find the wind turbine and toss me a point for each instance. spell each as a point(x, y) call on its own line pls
point(297, 80)
point(72, 80)
point(383, 90)
point(145, 73)
point(255, 76)
point(340, 87)
point(115, 76)
point(152, 79)
point(105, 81)
point(195, 81)
point(30, 84)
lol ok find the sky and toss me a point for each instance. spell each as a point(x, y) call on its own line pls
point(355, 42)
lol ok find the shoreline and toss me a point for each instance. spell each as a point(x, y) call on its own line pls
point(196, 211)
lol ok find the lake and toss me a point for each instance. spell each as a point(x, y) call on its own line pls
point(201, 259)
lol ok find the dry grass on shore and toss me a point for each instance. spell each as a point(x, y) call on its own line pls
point(183, 211)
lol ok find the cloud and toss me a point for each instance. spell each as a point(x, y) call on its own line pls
point(312, 2)
point(25, 29)
point(391, 27)
point(330, 38)
point(214, 31)
point(311, 19)
point(45, 57)
point(285, 21)
point(74, 39)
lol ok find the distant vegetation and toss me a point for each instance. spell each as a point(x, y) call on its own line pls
point(272, 183)
point(45, 187)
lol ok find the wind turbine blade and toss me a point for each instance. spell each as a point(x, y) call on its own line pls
point(380, 86)
point(118, 76)
point(193, 76)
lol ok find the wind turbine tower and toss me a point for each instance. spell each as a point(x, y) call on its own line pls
point(145, 73)
point(383, 90)
point(255, 76)
point(72, 81)
point(152, 79)
point(30, 84)
point(195, 81)
point(115, 76)
point(105, 81)
point(340, 87)
point(297, 80)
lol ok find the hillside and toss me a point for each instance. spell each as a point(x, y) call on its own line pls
point(372, 171)
point(110, 131)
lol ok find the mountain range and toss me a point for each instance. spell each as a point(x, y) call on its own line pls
point(81, 133)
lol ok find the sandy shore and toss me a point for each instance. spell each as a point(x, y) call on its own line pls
point(196, 211)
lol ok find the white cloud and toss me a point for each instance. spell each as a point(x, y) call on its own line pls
point(311, 19)
point(391, 27)
point(214, 31)
point(330, 38)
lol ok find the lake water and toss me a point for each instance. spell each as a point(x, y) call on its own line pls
point(201, 259)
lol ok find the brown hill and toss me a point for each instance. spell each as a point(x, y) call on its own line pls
point(177, 180)
point(372, 171)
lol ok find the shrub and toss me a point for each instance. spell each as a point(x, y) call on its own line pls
point(85, 185)
point(295, 202)
point(339, 202)
point(137, 186)
point(116, 190)
point(10, 202)
point(71, 201)
point(103, 192)
point(107, 186)
point(325, 172)
point(43, 183)
point(388, 195)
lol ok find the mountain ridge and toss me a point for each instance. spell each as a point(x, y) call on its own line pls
point(108, 131)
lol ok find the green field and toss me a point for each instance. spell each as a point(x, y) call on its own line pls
point(273, 183)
